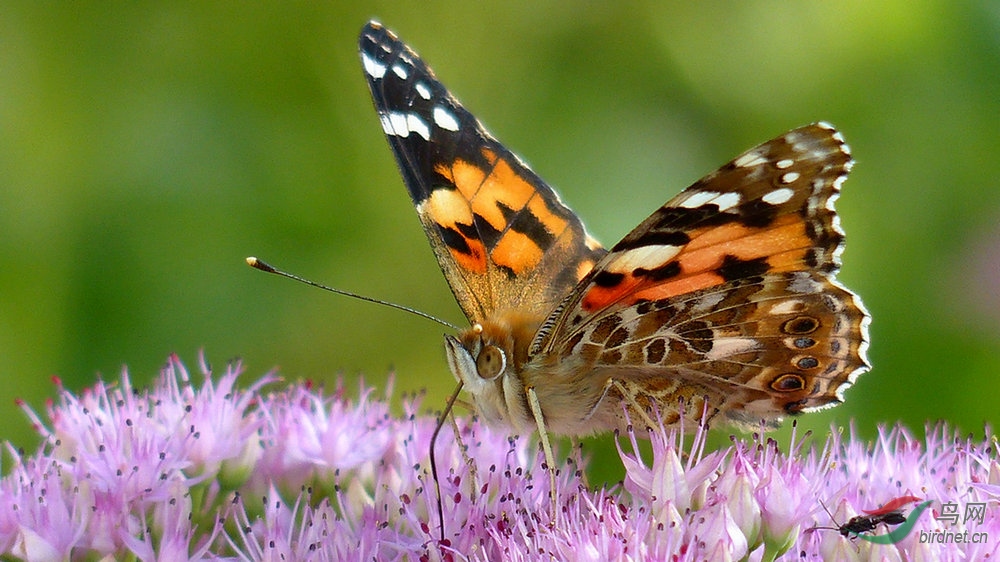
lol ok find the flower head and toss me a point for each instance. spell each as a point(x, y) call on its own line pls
point(206, 470)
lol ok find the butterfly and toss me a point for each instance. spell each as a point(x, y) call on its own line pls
point(722, 303)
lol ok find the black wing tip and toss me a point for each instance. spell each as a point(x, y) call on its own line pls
point(375, 34)
point(379, 46)
point(373, 28)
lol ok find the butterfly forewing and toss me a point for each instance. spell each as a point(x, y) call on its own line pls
point(768, 211)
point(501, 236)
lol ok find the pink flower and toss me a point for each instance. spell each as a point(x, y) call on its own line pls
point(206, 470)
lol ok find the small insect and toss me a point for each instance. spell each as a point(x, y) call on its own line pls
point(889, 514)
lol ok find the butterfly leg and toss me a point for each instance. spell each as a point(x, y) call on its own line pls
point(469, 461)
point(630, 397)
point(536, 411)
point(597, 404)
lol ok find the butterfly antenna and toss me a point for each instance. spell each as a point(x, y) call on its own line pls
point(264, 266)
point(434, 472)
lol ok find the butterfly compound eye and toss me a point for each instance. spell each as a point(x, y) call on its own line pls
point(491, 362)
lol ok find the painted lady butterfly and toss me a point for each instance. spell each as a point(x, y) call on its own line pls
point(724, 300)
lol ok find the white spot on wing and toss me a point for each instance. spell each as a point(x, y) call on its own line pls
point(727, 347)
point(749, 159)
point(423, 90)
point(835, 224)
point(398, 70)
point(707, 303)
point(778, 196)
point(646, 257)
point(402, 124)
point(374, 68)
point(799, 141)
point(831, 200)
point(386, 124)
point(698, 199)
point(415, 124)
point(445, 119)
point(782, 164)
point(727, 201)
point(835, 256)
point(787, 307)
point(790, 177)
point(397, 124)
point(803, 284)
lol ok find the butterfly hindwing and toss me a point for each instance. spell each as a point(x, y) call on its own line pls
point(728, 290)
point(501, 236)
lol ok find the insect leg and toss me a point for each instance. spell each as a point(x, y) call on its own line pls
point(536, 411)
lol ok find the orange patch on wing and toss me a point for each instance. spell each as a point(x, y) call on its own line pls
point(584, 268)
point(785, 238)
point(475, 260)
point(552, 222)
point(448, 209)
point(482, 192)
point(680, 286)
point(485, 188)
point(745, 242)
point(632, 290)
point(791, 260)
point(504, 187)
point(519, 251)
point(599, 297)
point(465, 176)
point(784, 243)
point(516, 251)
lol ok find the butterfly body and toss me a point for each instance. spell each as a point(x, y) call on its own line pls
point(723, 301)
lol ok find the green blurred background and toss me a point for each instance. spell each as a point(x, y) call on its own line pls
point(146, 149)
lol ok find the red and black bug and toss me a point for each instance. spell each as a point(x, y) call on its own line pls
point(889, 514)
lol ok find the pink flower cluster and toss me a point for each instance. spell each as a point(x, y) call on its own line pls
point(204, 470)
